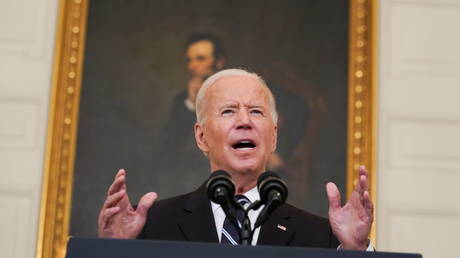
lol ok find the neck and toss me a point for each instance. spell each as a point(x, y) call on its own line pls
point(244, 182)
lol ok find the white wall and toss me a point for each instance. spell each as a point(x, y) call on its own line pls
point(419, 127)
point(27, 32)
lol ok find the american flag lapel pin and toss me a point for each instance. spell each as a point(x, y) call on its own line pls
point(282, 227)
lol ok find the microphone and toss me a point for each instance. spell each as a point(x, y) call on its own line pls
point(221, 190)
point(273, 192)
point(220, 187)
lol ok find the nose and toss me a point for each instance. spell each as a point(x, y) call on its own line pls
point(192, 65)
point(244, 120)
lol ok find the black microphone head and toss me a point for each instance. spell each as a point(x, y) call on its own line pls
point(268, 182)
point(220, 182)
point(265, 175)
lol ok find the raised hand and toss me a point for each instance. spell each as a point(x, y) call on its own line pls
point(117, 218)
point(352, 223)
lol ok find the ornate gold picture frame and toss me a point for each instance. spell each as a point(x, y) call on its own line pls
point(64, 107)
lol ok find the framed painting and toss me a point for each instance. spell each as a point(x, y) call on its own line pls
point(126, 74)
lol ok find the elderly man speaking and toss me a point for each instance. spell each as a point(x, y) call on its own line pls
point(236, 129)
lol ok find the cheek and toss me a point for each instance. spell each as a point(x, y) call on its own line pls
point(271, 138)
point(220, 140)
point(208, 65)
point(216, 139)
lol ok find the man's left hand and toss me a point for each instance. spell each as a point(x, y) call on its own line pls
point(352, 223)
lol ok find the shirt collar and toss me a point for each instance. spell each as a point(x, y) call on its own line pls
point(253, 194)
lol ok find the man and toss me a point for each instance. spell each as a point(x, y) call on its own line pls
point(236, 129)
point(205, 55)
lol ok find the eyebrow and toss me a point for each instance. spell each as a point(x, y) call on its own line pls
point(229, 104)
point(233, 105)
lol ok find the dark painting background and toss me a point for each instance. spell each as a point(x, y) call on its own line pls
point(135, 67)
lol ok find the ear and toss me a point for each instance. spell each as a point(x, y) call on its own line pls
point(200, 138)
point(275, 138)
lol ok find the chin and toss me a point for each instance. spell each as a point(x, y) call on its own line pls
point(247, 168)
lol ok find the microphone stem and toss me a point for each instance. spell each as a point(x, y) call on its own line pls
point(246, 232)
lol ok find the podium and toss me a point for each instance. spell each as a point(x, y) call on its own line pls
point(117, 248)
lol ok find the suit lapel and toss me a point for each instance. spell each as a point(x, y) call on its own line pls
point(278, 230)
point(198, 223)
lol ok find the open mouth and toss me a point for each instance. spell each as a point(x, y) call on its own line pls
point(244, 145)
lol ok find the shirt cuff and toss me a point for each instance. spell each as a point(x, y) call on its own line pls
point(370, 247)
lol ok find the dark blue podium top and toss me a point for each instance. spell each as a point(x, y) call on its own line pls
point(116, 248)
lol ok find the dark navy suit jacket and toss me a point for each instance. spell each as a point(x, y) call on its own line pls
point(189, 217)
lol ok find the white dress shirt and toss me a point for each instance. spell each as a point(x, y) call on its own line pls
point(219, 214)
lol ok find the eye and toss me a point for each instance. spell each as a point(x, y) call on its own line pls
point(257, 112)
point(227, 112)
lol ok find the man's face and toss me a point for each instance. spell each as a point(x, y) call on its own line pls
point(200, 58)
point(239, 133)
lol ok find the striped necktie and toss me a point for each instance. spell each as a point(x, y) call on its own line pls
point(231, 234)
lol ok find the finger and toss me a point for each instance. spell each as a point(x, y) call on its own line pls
point(357, 185)
point(113, 199)
point(356, 200)
point(106, 215)
point(333, 196)
point(145, 203)
point(118, 184)
point(362, 170)
point(368, 205)
point(362, 182)
point(121, 172)
point(364, 173)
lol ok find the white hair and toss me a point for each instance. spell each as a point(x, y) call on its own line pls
point(201, 100)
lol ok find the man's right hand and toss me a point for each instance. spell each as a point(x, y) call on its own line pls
point(117, 218)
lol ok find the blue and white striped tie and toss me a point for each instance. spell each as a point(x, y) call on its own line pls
point(231, 234)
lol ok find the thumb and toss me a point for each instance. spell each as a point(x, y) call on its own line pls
point(145, 203)
point(333, 195)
